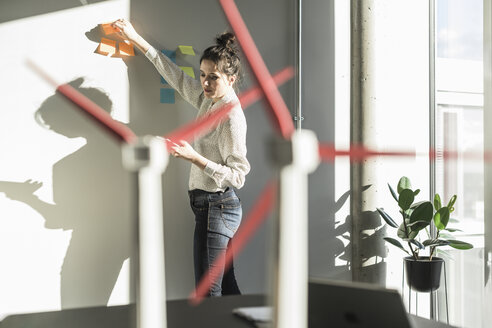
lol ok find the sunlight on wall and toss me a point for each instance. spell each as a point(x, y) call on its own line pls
point(31, 254)
point(401, 101)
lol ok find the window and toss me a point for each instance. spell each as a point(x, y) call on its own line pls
point(459, 134)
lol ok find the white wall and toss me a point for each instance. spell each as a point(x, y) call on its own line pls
point(35, 233)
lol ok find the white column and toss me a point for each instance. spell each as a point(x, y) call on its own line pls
point(149, 158)
point(300, 157)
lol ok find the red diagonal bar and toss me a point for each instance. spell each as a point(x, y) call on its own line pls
point(281, 115)
point(99, 115)
point(206, 123)
point(255, 218)
point(95, 112)
point(357, 153)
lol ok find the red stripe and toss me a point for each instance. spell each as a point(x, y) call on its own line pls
point(255, 218)
point(280, 113)
point(357, 153)
point(117, 129)
point(206, 123)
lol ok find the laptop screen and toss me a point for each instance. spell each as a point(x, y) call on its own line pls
point(353, 305)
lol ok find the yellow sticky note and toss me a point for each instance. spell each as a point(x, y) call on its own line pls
point(186, 50)
point(107, 47)
point(188, 71)
point(108, 29)
point(126, 49)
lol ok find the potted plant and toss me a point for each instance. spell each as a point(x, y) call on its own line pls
point(423, 271)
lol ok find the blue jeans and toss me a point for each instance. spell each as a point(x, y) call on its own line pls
point(217, 217)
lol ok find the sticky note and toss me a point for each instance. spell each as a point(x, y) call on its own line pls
point(163, 81)
point(108, 29)
point(186, 50)
point(171, 54)
point(188, 71)
point(167, 96)
point(107, 47)
point(126, 49)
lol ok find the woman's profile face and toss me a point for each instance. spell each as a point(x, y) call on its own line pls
point(215, 84)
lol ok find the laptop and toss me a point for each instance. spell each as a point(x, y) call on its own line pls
point(355, 305)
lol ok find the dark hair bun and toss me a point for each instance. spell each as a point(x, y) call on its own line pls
point(224, 54)
point(226, 40)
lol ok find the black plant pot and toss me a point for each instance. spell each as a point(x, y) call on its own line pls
point(423, 275)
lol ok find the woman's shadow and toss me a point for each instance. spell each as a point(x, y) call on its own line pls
point(91, 198)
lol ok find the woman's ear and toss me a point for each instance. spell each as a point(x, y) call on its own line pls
point(232, 79)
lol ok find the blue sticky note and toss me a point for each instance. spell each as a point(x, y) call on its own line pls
point(171, 54)
point(163, 81)
point(167, 96)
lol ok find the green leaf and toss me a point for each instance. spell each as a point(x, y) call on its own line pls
point(452, 201)
point(416, 192)
point(417, 243)
point(403, 184)
point(423, 212)
point(435, 242)
point(396, 243)
point(437, 202)
point(406, 236)
point(387, 218)
point(406, 199)
point(417, 225)
point(441, 218)
point(406, 214)
point(459, 244)
point(414, 205)
point(411, 224)
point(452, 229)
point(393, 193)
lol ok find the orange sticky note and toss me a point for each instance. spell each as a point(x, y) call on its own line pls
point(107, 47)
point(108, 29)
point(126, 49)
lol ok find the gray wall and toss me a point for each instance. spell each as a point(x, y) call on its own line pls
point(271, 25)
point(318, 95)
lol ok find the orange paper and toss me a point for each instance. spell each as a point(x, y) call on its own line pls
point(107, 47)
point(108, 29)
point(126, 49)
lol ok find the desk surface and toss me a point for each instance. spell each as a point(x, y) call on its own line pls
point(212, 313)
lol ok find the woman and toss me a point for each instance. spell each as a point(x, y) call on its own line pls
point(218, 158)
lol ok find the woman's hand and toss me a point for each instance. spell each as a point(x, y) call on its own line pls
point(185, 151)
point(126, 31)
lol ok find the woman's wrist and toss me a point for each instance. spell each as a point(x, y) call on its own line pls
point(199, 161)
point(141, 43)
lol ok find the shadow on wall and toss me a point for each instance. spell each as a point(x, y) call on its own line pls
point(91, 198)
point(372, 245)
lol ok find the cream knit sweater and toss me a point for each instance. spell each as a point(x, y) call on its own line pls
point(225, 146)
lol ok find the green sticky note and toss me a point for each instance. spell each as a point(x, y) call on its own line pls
point(167, 96)
point(186, 50)
point(188, 71)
